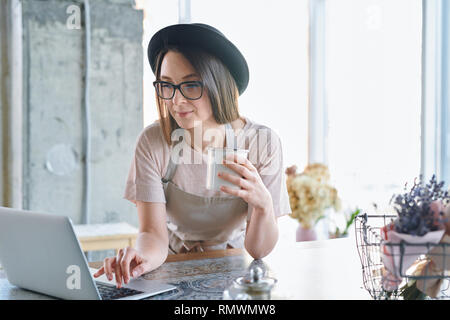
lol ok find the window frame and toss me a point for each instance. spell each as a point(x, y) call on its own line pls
point(435, 153)
point(317, 106)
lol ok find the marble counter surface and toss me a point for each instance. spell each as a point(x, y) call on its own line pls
point(328, 269)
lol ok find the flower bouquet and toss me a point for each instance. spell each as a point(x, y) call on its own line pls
point(310, 193)
point(410, 242)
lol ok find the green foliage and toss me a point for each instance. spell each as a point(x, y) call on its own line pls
point(349, 221)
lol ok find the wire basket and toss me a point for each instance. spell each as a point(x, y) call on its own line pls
point(370, 243)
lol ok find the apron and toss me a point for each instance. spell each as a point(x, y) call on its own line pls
point(196, 223)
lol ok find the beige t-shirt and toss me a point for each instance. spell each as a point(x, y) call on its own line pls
point(152, 156)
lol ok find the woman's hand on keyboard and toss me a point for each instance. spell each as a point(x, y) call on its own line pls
point(128, 263)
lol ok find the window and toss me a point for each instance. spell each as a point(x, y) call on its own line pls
point(373, 90)
point(157, 14)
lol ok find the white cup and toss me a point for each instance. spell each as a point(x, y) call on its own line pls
point(216, 157)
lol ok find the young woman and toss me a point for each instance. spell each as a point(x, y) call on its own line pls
point(199, 77)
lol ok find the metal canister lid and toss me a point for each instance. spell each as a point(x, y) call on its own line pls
point(255, 280)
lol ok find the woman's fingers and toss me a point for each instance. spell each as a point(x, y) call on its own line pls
point(108, 267)
point(241, 165)
point(239, 169)
point(238, 181)
point(99, 272)
point(236, 192)
point(240, 160)
point(123, 266)
point(117, 269)
point(128, 256)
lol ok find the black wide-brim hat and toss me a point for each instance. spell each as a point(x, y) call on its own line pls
point(204, 37)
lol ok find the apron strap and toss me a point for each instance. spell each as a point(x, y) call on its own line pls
point(172, 166)
point(231, 142)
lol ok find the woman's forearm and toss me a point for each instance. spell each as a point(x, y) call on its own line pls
point(152, 247)
point(262, 233)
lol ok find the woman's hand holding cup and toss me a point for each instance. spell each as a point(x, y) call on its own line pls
point(246, 178)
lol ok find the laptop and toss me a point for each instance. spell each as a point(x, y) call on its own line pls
point(40, 252)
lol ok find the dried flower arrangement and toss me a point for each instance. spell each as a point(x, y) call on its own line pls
point(310, 193)
point(415, 216)
point(413, 240)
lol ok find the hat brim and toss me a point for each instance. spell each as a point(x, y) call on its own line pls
point(204, 37)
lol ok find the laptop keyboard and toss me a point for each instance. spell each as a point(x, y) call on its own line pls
point(111, 292)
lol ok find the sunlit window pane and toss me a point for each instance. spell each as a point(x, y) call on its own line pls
point(157, 15)
point(373, 96)
point(273, 37)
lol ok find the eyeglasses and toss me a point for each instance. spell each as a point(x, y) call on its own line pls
point(191, 90)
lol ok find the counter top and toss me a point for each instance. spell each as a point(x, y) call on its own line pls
point(326, 269)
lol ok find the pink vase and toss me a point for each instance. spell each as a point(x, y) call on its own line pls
point(305, 234)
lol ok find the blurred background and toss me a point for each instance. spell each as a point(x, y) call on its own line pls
point(359, 85)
